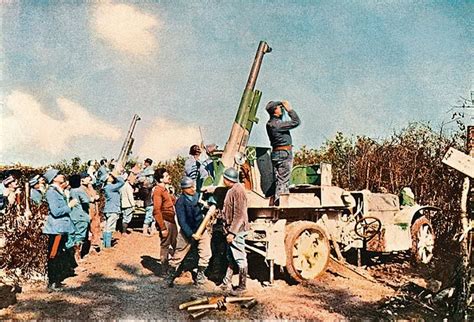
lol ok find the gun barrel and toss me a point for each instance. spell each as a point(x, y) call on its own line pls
point(246, 113)
point(263, 48)
point(127, 144)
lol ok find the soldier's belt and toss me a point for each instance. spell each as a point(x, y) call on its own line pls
point(283, 147)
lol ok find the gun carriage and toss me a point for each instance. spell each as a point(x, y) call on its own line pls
point(318, 218)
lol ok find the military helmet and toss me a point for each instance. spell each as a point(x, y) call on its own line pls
point(186, 182)
point(231, 174)
point(50, 175)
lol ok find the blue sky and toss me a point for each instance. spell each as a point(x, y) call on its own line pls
point(75, 72)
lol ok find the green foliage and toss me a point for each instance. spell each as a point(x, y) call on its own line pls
point(175, 169)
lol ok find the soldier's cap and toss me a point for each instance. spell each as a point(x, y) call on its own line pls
point(186, 182)
point(84, 175)
point(211, 147)
point(271, 106)
point(8, 180)
point(104, 177)
point(149, 161)
point(34, 180)
point(50, 175)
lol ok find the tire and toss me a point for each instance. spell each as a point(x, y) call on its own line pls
point(423, 240)
point(307, 250)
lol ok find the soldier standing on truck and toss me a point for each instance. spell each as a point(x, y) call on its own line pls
point(235, 228)
point(280, 139)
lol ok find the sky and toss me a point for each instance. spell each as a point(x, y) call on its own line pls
point(73, 73)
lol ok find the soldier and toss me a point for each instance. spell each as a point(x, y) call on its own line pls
point(58, 225)
point(128, 202)
point(79, 213)
point(163, 211)
point(91, 170)
point(194, 168)
point(102, 171)
point(280, 139)
point(189, 216)
point(235, 228)
point(35, 193)
point(94, 214)
point(10, 190)
point(145, 178)
point(114, 183)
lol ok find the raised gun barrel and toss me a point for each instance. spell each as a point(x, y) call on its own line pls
point(246, 114)
point(128, 143)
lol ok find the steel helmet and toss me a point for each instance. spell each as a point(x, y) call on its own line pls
point(186, 182)
point(231, 174)
point(50, 175)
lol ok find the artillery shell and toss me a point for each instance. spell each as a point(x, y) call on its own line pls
point(232, 299)
point(203, 300)
point(197, 315)
point(248, 305)
point(203, 307)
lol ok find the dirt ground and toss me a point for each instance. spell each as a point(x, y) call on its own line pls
point(123, 283)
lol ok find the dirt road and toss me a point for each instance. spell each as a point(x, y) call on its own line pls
point(123, 283)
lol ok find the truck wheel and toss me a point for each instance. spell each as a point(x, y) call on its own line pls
point(423, 239)
point(307, 250)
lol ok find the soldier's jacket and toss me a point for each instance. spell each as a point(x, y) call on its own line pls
point(235, 210)
point(279, 131)
point(58, 220)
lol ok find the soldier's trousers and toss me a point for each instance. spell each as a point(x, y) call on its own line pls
point(56, 261)
point(168, 244)
point(95, 224)
point(236, 251)
point(183, 246)
point(79, 235)
point(282, 162)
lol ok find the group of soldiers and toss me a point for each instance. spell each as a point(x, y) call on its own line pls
point(74, 216)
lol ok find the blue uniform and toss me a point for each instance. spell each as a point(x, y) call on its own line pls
point(36, 196)
point(58, 220)
point(80, 217)
point(112, 204)
point(189, 214)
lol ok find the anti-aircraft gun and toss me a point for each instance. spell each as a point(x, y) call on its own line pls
point(236, 145)
point(128, 143)
point(297, 236)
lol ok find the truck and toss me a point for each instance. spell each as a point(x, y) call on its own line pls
point(319, 219)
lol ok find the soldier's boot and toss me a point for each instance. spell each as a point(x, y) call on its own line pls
point(124, 229)
point(77, 253)
point(200, 276)
point(173, 273)
point(242, 280)
point(165, 268)
point(227, 281)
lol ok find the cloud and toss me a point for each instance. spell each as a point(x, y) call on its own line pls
point(25, 126)
point(166, 139)
point(125, 28)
